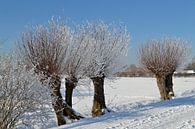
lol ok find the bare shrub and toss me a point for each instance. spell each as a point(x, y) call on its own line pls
point(163, 57)
point(21, 99)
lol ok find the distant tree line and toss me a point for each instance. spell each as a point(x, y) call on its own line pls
point(135, 71)
point(191, 65)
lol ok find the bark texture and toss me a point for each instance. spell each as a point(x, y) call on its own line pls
point(57, 101)
point(68, 93)
point(99, 105)
point(70, 85)
point(169, 85)
point(165, 86)
point(60, 106)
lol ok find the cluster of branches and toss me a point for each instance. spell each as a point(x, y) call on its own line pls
point(162, 57)
point(21, 99)
point(44, 49)
point(91, 50)
point(107, 46)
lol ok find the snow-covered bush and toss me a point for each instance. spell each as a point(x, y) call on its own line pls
point(23, 101)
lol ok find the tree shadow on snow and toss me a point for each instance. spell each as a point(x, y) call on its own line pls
point(187, 100)
point(134, 110)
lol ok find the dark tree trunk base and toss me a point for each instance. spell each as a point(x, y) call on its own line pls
point(71, 114)
point(60, 106)
point(165, 86)
point(59, 115)
point(69, 91)
point(169, 85)
point(70, 84)
point(57, 101)
point(97, 110)
point(162, 88)
point(99, 106)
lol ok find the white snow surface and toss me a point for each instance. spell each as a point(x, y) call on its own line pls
point(136, 105)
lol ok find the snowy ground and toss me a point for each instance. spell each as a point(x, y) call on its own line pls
point(136, 105)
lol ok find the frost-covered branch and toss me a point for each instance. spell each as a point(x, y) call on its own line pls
point(45, 48)
point(163, 56)
point(107, 46)
point(21, 99)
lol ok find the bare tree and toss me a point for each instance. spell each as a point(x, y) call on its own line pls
point(107, 46)
point(163, 57)
point(75, 62)
point(45, 47)
point(20, 95)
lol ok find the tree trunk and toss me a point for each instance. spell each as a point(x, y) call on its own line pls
point(59, 105)
point(161, 82)
point(169, 85)
point(70, 84)
point(99, 105)
point(57, 101)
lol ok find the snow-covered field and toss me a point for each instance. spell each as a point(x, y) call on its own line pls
point(136, 105)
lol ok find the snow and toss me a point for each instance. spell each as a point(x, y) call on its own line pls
point(136, 105)
point(185, 71)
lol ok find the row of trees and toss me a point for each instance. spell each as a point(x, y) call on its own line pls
point(92, 50)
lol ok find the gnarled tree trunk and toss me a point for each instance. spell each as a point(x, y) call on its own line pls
point(70, 84)
point(57, 101)
point(165, 86)
point(68, 93)
point(169, 85)
point(161, 83)
point(59, 105)
point(99, 105)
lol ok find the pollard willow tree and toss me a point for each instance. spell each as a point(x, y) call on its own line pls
point(75, 61)
point(45, 47)
point(107, 46)
point(162, 57)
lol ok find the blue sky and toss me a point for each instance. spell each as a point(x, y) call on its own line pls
point(145, 19)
